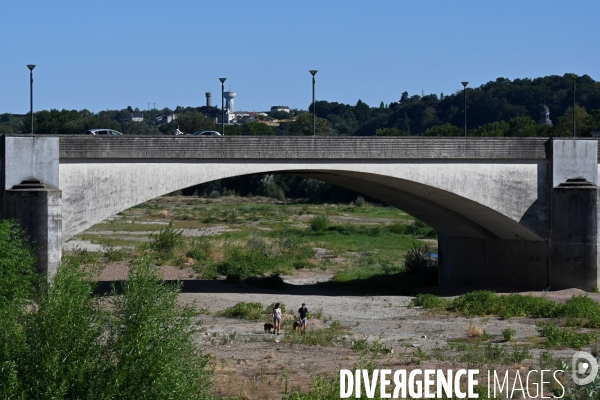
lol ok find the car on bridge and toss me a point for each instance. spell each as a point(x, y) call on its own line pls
point(206, 133)
point(104, 131)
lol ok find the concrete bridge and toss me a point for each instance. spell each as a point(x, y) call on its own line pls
point(508, 210)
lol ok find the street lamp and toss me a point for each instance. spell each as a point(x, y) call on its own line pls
point(313, 72)
point(31, 67)
point(222, 105)
point(574, 126)
point(465, 96)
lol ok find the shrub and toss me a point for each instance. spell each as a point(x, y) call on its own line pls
point(112, 253)
point(474, 331)
point(556, 336)
point(429, 301)
point(360, 201)
point(244, 310)
point(214, 194)
point(479, 302)
point(397, 227)
point(201, 249)
point(319, 223)
point(165, 241)
point(17, 264)
point(70, 346)
point(418, 259)
point(152, 341)
point(509, 334)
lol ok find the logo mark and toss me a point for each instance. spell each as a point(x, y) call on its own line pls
point(580, 367)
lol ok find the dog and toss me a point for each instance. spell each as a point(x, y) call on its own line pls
point(296, 325)
point(268, 327)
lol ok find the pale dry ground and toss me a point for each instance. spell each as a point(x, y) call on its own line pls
point(254, 365)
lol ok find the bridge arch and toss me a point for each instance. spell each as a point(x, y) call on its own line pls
point(460, 200)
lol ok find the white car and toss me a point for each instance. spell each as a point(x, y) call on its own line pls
point(206, 133)
point(102, 132)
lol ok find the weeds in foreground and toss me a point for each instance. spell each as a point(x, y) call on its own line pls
point(485, 302)
point(556, 336)
point(479, 353)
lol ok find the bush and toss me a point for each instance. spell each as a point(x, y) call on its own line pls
point(556, 336)
point(165, 241)
point(244, 310)
point(360, 201)
point(508, 334)
point(397, 227)
point(112, 253)
point(429, 301)
point(201, 249)
point(418, 260)
point(71, 346)
point(319, 223)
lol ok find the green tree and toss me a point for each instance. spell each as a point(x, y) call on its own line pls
point(444, 130)
point(499, 128)
point(191, 121)
point(256, 129)
point(522, 127)
point(585, 123)
point(303, 126)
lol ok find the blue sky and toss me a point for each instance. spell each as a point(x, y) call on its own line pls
point(112, 54)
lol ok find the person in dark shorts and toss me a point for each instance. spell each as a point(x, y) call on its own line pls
point(302, 316)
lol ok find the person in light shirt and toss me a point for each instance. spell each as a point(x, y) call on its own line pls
point(277, 317)
point(178, 132)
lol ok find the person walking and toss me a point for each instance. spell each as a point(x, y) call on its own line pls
point(303, 317)
point(277, 317)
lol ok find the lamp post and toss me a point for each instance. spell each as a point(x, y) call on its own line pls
point(465, 96)
point(222, 105)
point(313, 72)
point(31, 67)
point(574, 88)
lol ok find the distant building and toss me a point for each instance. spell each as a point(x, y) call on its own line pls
point(275, 109)
point(165, 119)
point(545, 116)
point(136, 117)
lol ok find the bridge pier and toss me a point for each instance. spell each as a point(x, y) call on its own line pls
point(30, 195)
point(486, 262)
point(569, 257)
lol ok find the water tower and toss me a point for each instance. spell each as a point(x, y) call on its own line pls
point(229, 96)
point(208, 99)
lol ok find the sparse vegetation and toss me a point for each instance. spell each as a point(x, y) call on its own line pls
point(556, 336)
point(508, 334)
point(244, 310)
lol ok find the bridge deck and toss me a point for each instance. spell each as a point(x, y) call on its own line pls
point(294, 147)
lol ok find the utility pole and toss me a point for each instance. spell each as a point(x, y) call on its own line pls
point(465, 96)
point(313, 72)
point(31, 67)
point(574, 111)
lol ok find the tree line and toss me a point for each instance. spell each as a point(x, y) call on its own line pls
point(497, 108)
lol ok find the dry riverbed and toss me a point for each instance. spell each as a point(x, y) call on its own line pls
point(251, 364)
